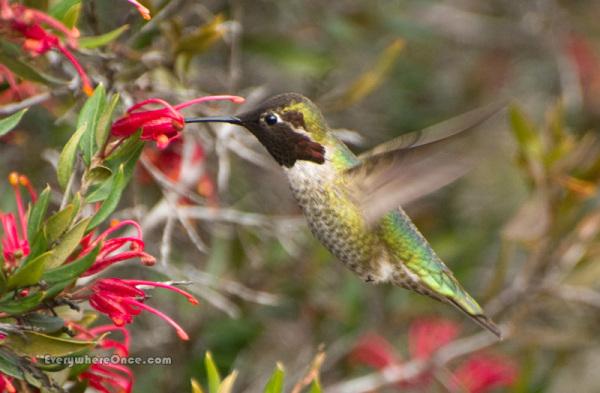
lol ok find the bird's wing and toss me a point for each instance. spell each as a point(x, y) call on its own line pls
point(417, 164)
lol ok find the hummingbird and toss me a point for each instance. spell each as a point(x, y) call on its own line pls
point(353, 203)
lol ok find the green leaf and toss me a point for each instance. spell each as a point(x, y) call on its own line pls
point(21, 305)
point(60, 9)
point(98, 174)
point(43, 323)
point(71, 271)
point(38, 211)
point(127, 149)
point(36, 344)
point(10, 122)
point(88, 118)
point(3, 283)
point(227, 384)
point(66, 160)
point(214, 379)
point(101, 40)
point(58, 223)
point(525, 133)
point(104, 123)
point(10, 365)
point(133, 153)
point(275, 384)
point(9, 57)
point(29, 273)
point(68, 243)
point(315, 387)
point(111, 202)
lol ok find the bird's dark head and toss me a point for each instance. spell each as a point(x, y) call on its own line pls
point(289, 126)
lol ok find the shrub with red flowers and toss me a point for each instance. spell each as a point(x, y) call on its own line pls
point(479, 372)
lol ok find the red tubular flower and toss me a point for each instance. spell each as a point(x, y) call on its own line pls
point(145, 12)
point(160, 125)
point(15, 245)
point(427, 335)
point(106, 378)
point(375, 351)
point(27, 23)
point(113, 250)
point(121, 300)
point(6, 384)
point(482, 373)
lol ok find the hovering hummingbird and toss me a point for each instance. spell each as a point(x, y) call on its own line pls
point(352, 203)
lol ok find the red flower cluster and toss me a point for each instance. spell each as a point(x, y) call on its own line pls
point(160, 125)
point(15, 245)
point(479, 373)
point(121, 300)
point(25, 24)
point(107, 377)
point(114, 250)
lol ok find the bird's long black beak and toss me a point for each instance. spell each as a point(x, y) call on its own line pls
point(214, 119)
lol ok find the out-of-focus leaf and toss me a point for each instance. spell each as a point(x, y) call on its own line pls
point(196, 387)
point(202, 38)
point(214, 379)
point(36, 344)
point(275, 384)
point(111, 202)
point(7, 124)
point(371, 79)
point(525, 133)
point(43, 323)
point(21, 305)
point(38, 211)
point(61, 8)
point(105, 120)
point(10, 365)
point(101, 40)
point(228, 382)
point(66, 160)
point(67, 244)
point(72, 270)
point(9, 57)
point(30, 273)
point(315, 387)
point(302, 60)
point(88, 118)
point(58, 223)
point(3, 283)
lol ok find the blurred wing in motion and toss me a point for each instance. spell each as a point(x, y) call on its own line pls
point(416, 164)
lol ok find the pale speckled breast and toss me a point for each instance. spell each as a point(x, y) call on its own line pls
point(333, 219)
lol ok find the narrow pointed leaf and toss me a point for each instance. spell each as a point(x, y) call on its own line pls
point(71, 270)
point(68, 243)
point(7, 124)
point(58, 223)
point(88, 118)
point(101, 40)
point(21, 305)
point(66, 160)
point(105, 120)
point(36, 344)
point(228, 382)
point(214, 379)
point(30, 273)
point(38, 211)
point(275, 384)
point(111, 202)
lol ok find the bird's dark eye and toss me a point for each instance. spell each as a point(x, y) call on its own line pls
point(271, 119)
